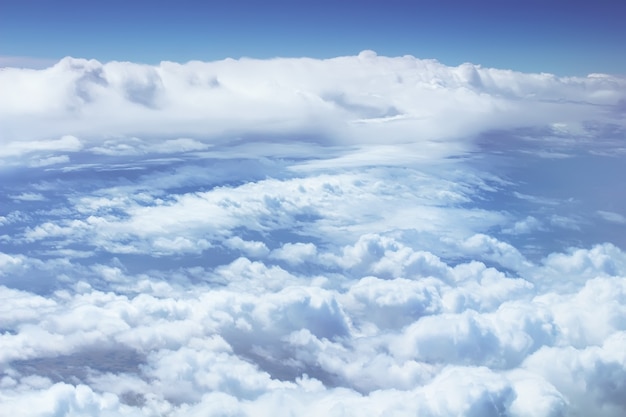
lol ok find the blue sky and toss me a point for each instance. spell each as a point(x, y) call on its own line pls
point(562, 37)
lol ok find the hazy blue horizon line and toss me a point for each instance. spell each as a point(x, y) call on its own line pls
point(40, 62)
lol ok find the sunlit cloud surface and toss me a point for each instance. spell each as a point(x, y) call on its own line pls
point(362, 235)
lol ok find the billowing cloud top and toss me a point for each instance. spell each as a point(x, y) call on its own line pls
point(356, 236)
point(364, 98)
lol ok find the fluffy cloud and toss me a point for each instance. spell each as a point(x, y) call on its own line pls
point(362, 99)
point(356, 236)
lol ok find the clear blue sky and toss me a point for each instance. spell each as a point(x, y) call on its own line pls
point(565, 37)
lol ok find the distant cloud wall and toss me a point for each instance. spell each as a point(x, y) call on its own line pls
point(354, 99)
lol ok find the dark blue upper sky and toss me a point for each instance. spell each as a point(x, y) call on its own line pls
point(564, 37)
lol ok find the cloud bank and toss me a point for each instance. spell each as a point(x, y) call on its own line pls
point(356, 236)
point(361, 99)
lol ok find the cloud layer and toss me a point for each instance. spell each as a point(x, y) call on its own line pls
point(361, 99)
point(357, 236)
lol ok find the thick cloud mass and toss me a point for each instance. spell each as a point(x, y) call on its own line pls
point(356, 236)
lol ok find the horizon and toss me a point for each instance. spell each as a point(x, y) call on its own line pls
point(566, 38)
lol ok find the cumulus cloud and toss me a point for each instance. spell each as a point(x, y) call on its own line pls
point(371, 99)
point(362, 235)
point(251, 248)
point(295, 253)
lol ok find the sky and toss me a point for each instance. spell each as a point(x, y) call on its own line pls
point(225, 220)
point(562, 37)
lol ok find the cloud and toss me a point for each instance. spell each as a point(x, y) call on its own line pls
point(376, 100)
point(205, 341)
point(52, 160)
point(362, 235)
point(7, 262)
point(573, 269)
point(64, 144)
point(28, 197)
point(136, 146)
point(527, 225)
point(595, 373)
point(612, 217)
point(295, 253)
point(251, 248)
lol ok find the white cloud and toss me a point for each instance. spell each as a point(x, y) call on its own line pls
point(612, 217)
point(494, 250)
point(137, 146)
point(337, 208)
point(565, 222)
point(527, 225)
point(592, 379)
point(21, 307)
point(306, 237)
point(7, 260)
point(378, 100)
point(295, 253)
point(27, 197)
point(66, 143)
point(47, 161)
point(569, 271)
point(251, 248)
point(289, 327)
